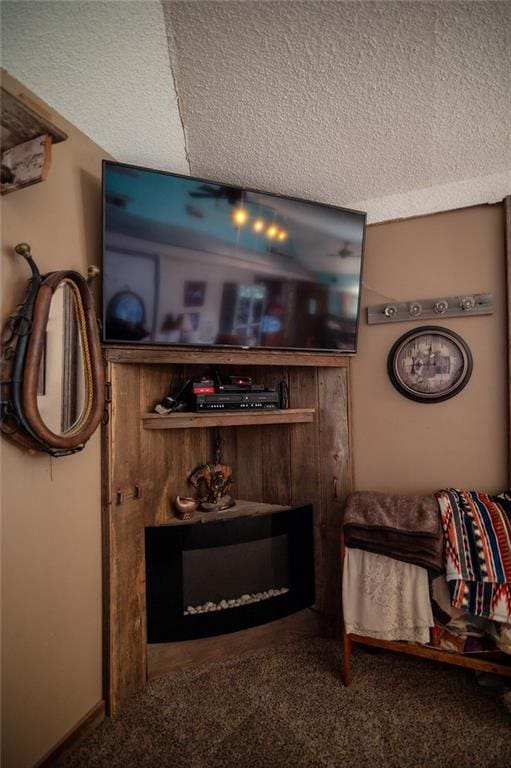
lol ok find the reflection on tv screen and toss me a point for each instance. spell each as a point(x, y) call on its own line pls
point(194, 262)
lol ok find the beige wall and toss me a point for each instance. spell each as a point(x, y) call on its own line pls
point(51, 532)
point(403, 446)
point(51, 549)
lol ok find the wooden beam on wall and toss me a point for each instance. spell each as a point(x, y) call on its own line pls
point(27, 136)
point(22, 122)
point(26, 164)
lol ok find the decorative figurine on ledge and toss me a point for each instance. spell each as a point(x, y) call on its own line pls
point(185, 506)
point(217, 479)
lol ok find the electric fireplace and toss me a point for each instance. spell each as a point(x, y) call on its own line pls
point(223, 575)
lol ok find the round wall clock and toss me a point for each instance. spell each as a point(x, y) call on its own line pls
point(429, 364)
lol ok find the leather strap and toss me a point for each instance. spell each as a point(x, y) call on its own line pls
point(20, 419)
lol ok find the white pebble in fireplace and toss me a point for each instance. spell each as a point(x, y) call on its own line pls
point(245, 599)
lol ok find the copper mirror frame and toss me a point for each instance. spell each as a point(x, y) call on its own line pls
point(77, 389)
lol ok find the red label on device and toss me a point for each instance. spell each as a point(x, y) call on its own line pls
point(203, 390)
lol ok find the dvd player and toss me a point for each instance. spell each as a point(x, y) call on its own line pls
point(234, 401)
point(241, 388)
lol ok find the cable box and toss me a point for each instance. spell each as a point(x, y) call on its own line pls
point(234, 401)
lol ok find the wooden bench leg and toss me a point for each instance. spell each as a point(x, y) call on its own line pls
point(346, 659)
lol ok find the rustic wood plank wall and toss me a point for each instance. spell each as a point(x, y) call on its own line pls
point(335, 482)
point(275, 450)
point(127, 670)
point(282, 464)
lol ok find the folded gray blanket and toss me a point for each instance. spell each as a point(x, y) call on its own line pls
point(406, 528)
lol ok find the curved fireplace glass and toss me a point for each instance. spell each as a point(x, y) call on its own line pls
point(226, 575)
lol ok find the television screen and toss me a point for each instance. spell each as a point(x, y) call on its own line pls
point(194, 262)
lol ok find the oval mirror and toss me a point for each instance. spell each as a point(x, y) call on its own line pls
point(61, 384)
point(63, 378)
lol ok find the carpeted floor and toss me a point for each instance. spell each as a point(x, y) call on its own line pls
point(286, 708)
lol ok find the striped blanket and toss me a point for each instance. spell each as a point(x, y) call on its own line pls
point(477, 538)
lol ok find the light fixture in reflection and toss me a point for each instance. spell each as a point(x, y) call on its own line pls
point(240, 217)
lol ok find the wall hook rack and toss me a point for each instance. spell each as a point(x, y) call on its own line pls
point(429, 309)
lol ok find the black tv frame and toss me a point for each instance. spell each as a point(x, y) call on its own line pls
point(209, 347)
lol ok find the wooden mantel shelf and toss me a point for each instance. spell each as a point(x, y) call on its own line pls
point(227, 418)
point(240, 509)
point(156, 355)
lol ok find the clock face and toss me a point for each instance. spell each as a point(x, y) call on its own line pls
point(430, 364)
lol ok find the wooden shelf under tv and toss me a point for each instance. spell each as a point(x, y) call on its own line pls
point(228, 418)
point(158, 355)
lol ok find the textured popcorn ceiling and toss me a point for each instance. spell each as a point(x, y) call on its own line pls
point(105, 67)
point(396, 108)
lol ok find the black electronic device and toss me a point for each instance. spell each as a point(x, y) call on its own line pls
point(194, 262)
point(203, 387)
point(243, 381)
point(241, 388)
point(235, 401)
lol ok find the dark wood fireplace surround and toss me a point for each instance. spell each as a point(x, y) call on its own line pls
point(291, 458)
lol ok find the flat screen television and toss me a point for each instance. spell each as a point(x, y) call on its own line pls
point(193, 262)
